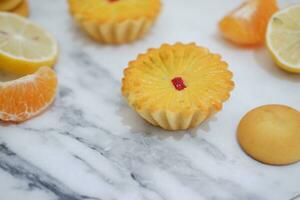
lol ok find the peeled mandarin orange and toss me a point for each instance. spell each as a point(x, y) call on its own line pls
point(247, 24)
point(26, 97)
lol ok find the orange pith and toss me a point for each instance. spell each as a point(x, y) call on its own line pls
point(247, 24)
point(27, 96)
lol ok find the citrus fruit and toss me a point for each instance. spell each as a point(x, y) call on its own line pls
point(271, 134)
point(247, 24)
point(24, 46)
point(6, 5)
point(283, 38)
point(26, 97)
point(22, 9)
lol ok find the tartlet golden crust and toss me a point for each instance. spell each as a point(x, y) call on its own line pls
point(115, 22)
point(148, 87)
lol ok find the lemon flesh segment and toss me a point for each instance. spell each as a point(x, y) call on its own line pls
point(24, 46)
point(283, 38)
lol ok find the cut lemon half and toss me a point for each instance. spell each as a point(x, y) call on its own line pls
point(24, 46)
point(283, 38)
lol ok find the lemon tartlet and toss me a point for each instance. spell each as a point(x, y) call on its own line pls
point(177, 86)
point(115, 21)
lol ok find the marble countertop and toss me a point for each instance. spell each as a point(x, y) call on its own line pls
point(91, 146)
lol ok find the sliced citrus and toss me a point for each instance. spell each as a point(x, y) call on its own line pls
point(24, 46)
point(283, 38)
point(26, 97)
point(22, 9)
point(247, 24)
point(6, 5)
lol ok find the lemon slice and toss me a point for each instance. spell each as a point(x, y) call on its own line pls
point(283, 38)
point(24, 46)
point(6, 5)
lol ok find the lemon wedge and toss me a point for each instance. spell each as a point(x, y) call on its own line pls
point(283, 38)
point(24, 46)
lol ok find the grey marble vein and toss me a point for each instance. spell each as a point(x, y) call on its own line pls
point(35, 178)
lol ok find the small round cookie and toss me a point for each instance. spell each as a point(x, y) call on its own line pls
point(271, 134)
point(6, 5)
point(22, 9)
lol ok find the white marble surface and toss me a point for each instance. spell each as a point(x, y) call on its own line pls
point(89, 145)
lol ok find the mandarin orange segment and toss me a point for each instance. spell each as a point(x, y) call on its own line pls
point(247, 24)
point(26, 97)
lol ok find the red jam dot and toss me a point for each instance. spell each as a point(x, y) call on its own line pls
point(178, 83)
point(112, 1)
